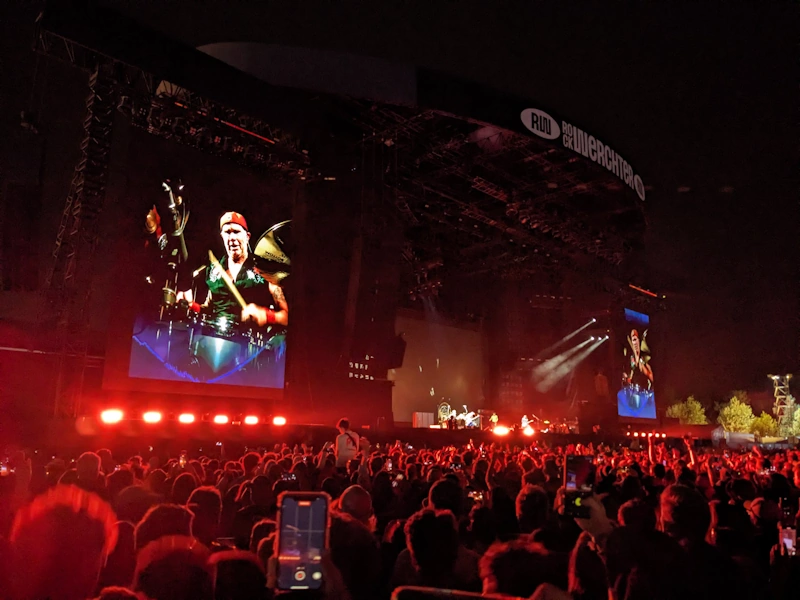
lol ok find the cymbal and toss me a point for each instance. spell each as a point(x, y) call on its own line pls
point(271, 261)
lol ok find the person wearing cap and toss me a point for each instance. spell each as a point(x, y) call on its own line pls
point(266, 304)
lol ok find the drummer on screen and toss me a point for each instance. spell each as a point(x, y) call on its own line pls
point(266, 304)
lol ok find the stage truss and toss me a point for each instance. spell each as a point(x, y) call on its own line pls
point(481, 201)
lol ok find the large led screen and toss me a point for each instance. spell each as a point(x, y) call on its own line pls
point(217, 314)
point(636, 396)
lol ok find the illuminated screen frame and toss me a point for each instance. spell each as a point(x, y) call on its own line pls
point(636, 397)
point(215, 187)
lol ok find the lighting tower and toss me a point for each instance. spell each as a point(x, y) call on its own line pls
point(784, 406)
point(68, 285)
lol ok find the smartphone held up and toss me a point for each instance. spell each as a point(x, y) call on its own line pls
point(303, 526)
point(577, 473)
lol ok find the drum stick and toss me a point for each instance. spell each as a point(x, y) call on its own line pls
point(227, 279)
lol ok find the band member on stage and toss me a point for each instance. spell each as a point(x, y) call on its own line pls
point(266, 303)
point(640, 370)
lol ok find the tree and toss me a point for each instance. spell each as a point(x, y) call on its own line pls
point(689, 412)
point(736, 415)
point(764, 425)
point(789, 425)
point(795, 427)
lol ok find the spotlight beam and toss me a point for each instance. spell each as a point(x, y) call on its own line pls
point(567, 366)
point(567, 337)
point(547, 366)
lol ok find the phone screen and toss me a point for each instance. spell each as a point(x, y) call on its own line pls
point(577, 470)
point(302, 536)
point(789, 540)
point(576, 473)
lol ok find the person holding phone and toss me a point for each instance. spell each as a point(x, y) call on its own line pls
point(303, 541)
point(347, 444)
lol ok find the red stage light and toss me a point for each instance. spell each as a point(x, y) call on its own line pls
point(528, 431)
point(628, 433)
point(663, 435)
point(186, 418)
point(635, 434)
point(251, 420)
point(279, 421)
point(111, 416)
point(649, 435)
point(501, 430)
point(151, 416)
point(220, 419)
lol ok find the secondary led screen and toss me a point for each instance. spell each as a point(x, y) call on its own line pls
point(218, 312)
point(636, 397)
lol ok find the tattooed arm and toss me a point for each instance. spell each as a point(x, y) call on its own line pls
point(265, 316)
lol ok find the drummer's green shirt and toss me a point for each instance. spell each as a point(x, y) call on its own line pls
point(252, 286)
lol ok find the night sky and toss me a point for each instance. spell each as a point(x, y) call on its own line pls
point(700, 98)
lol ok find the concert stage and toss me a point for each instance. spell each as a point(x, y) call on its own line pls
point(316, 218)
point(67, 438)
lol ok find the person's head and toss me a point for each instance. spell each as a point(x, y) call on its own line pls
point(250, 462)
point(121, 563)
point(182, 488)
point(117, 593)
point(155, 482)
point(685, 515)
point(482, 526)
point(88, 467)
point(343, 425)
point(107, 462)
point(238, 575)
point(659, 471)
point(174, 568)
point(533, 508)
point(655, 556)
point(357, 502)
point(261, 530)
point(635, 342)
point(261, 491)
point(118, 481)
point(434, 474)
point(133, 502)
point(631, 488)
point(331, 487)
point(742, 490)
point(161, 521)
point(235, 236)
point(355, 553)
point(432, 540)
point(637, 515)
point(61, 541)
point(446, 495)
point(206, 506)
point(515, 568)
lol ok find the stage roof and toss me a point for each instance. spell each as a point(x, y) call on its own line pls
point(478, 187)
